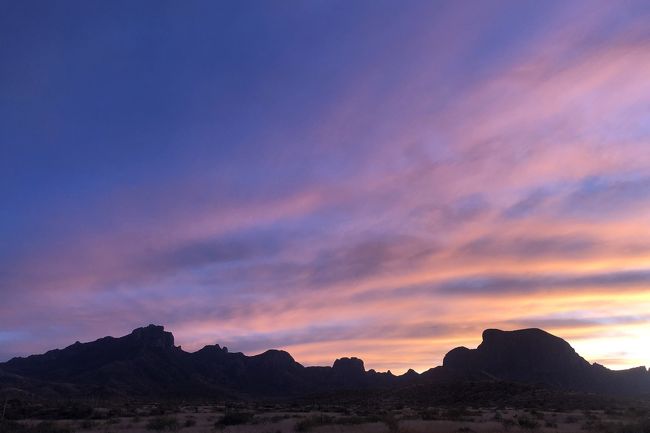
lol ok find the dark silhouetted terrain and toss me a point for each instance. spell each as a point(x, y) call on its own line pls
point(146, 363)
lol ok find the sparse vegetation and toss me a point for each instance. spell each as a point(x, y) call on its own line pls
point(641, 426)
point(41, 427)
point(234, 418)
point(340, 416)
point(163, 423)
point(391, 422)
point(87, 424)
point(527, 422)
point(307, 424)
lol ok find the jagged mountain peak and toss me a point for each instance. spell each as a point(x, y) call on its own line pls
point(213, 348)
point(153, 336)
point(411, 373)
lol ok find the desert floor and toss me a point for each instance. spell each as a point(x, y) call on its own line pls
point(276, 419)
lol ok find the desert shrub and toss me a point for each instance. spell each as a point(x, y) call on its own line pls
point(11, 427)
point(87, 424)
point(507, 423)
point(355, 420)
point(590, 425)
point(637, 411)
point(537, 414)
point(49, 427)
point(391, 422)
point(17, 410)
point(234, 418)
point(613, 412)
point(570, 419)
point(189, 422)
point(550, 423)
point(642, 426)
point(527, 423)
point(455, 413)
point(429, 414)
point(162, 423)
point(74, 410)
point(306, 424)
point(163, 409)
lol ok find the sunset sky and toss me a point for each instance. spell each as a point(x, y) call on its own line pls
point(381, 179)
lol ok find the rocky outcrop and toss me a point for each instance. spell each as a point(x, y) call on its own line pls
point(537, 357)
point(152, 336)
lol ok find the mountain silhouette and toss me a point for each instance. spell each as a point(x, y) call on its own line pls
point(527, 355)
point(147, 363)
point(535, 356)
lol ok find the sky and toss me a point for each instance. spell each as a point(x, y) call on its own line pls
point(381, 179)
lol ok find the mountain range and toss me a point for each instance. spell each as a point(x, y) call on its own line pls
point(146, 363)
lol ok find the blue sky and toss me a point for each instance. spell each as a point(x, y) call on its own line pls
point(379, 179)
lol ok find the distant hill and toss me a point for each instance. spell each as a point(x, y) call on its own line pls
point(534, 356)
point(147, 363)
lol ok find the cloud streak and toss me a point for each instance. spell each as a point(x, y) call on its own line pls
point(385, 186)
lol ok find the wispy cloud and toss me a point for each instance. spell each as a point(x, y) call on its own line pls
point(385, 187)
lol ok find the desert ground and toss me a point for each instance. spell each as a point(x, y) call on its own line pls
point(283, 418)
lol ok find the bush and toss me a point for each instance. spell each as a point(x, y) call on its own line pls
point(309, 423)
point(87, 424)
point(355, 420)
point(570, 419)
point(162, 423)
point(50, 427)
point(527, 423)
point(392, 423)
point(637, 427)
point(430, 414)
point(74, 410)
point(455, 413)
point(11, 427)
point(550, 424)
point(42, 427)
point(234, 418)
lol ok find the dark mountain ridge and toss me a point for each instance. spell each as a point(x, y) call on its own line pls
point(527, 355)
point(147, 363)
point(537, 357)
